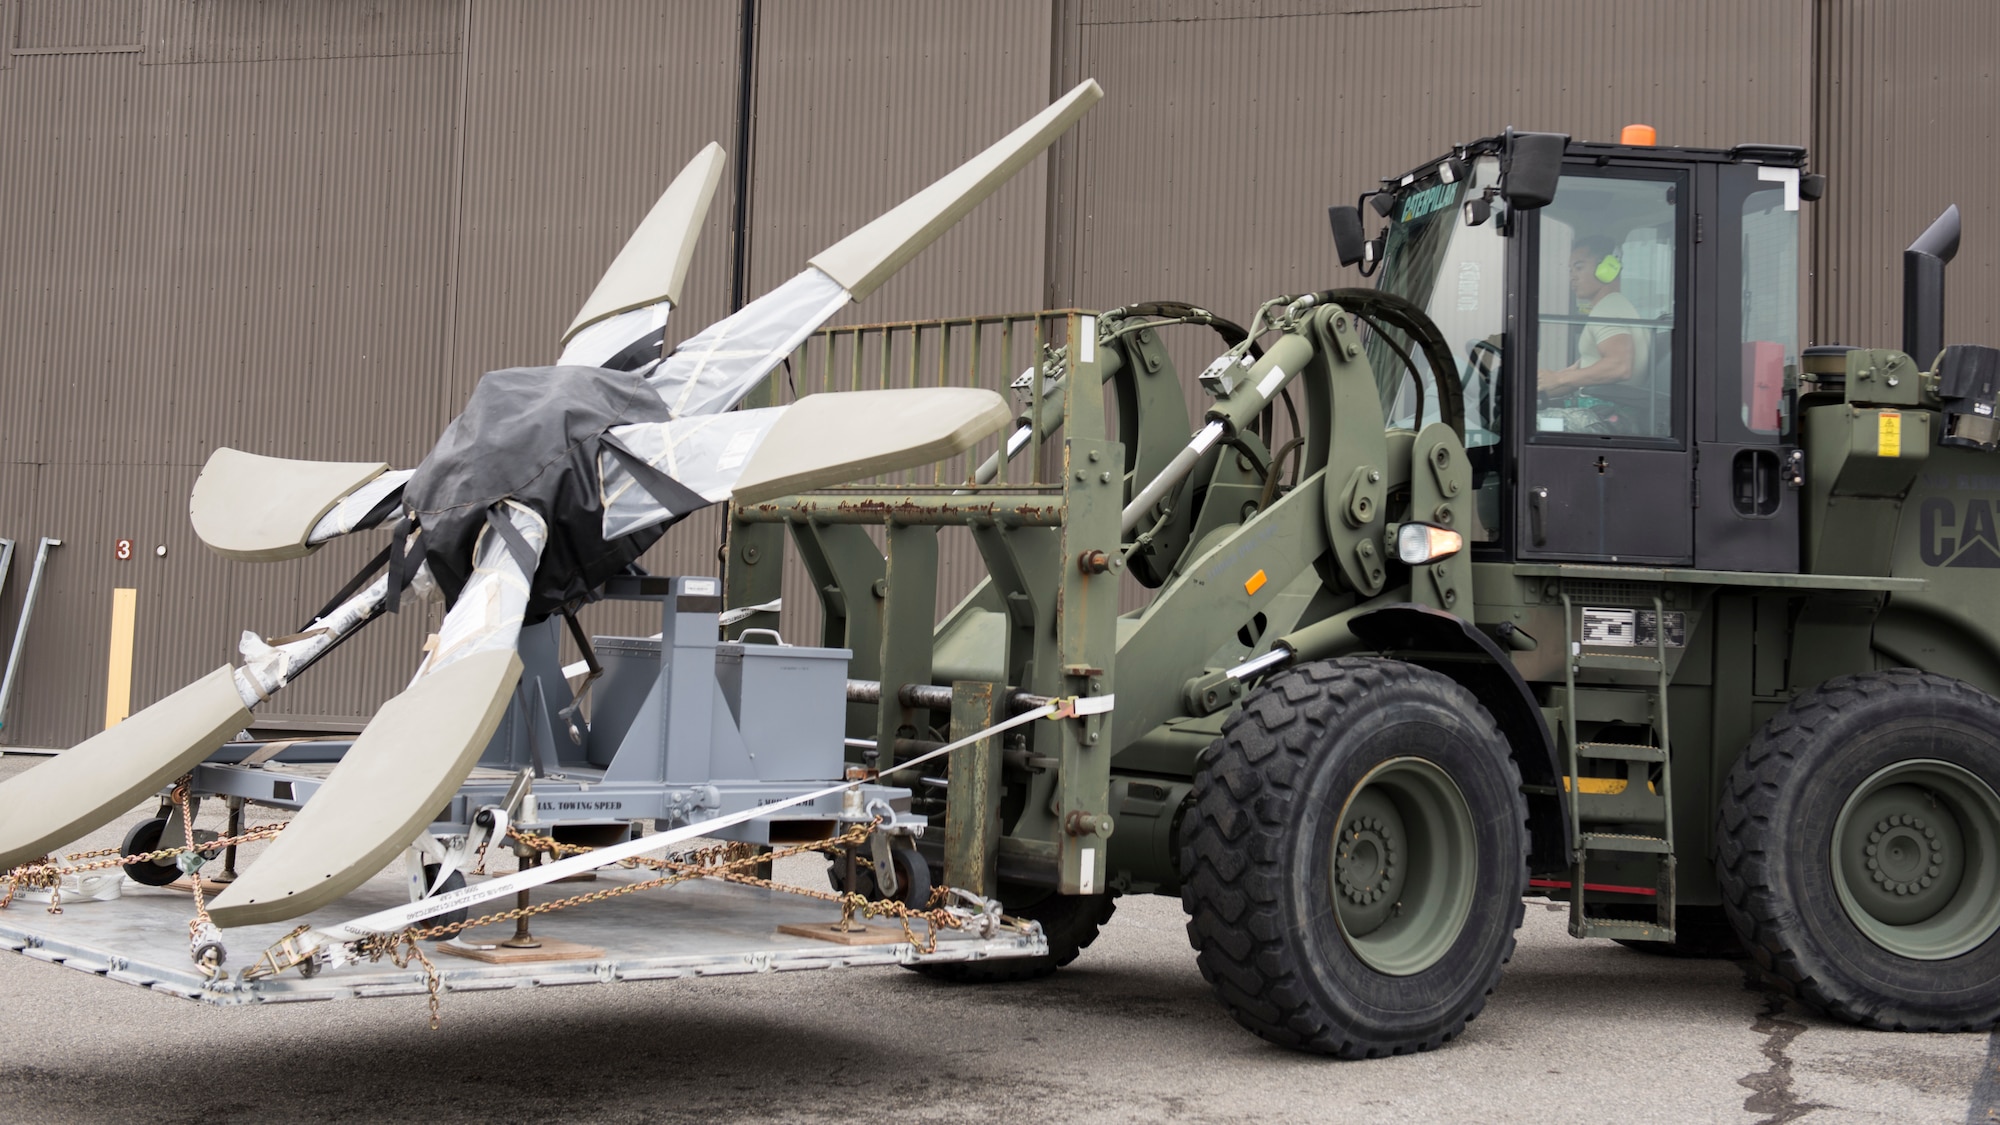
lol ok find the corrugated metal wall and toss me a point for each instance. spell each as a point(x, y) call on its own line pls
point(1909, 97)
point(1235, 133)
point(199, 253)
point(305, 227)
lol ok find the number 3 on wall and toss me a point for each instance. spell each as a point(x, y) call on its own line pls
point(123, 549)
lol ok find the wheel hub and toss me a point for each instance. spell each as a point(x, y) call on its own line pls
point(1403, 866)
point(1368, 864)
point(1904, 855)
point(1917, 859)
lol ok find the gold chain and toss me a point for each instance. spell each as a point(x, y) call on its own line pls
point(47, 873)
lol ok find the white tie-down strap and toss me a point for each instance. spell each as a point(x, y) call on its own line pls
point(712, 370)
point(596, 345)
point(489, 610)
point(345, 518)
point(705, 454)
point(268, 667)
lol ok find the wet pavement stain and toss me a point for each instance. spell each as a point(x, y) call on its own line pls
point(1771, 1088)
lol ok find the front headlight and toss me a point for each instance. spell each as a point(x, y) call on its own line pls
point(1419, 543)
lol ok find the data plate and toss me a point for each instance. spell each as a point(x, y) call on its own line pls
point(1627, 628)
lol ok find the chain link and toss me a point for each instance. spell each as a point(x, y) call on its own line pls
point(727, 861)
point(47, 873)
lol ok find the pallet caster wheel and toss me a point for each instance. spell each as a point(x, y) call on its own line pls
point(913, 877)
point(145, 837)
point(1069, 922)
point(456, 882)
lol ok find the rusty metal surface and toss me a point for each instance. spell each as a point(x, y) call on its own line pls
point(973, 509)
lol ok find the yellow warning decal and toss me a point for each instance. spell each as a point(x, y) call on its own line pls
point(1889, 434)
point(1255, 582)
point(1605, 786)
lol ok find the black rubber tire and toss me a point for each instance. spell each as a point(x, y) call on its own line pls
point(145, 837)
point(1774, 847)
point(1069, 922)
point(456, 882)
point(1257, 854)
point(1700, 933)
point(913, 877)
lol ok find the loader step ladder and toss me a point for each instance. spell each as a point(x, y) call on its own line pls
point(1602, 823)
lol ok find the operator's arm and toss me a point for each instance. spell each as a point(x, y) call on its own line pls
point(1614, 365)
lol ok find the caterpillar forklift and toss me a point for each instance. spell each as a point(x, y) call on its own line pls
point(1552, 566)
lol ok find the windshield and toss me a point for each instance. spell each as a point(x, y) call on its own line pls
point(1456, 274)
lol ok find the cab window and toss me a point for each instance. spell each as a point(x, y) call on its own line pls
point(1604, 361)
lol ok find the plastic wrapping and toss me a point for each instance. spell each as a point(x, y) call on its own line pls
point(706, 454)
point(609, 339)
point(268, 667)
point(491, 606)
point(712, 370)
point(346, 516)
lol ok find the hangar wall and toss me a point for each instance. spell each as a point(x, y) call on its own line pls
point(305, 227)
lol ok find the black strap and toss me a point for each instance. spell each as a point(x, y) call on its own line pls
point(399, 564)
point(517, 544)
point(678, 499)
point(353, 587)
point(383, 509)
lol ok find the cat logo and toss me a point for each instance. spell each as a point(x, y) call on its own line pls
point(1949, 541)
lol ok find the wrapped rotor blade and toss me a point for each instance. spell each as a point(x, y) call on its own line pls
point(862, 261)
point(265, 509)
point(712, 371)
point(365, 507)
point(652, 267)
point(95, 781)
point(818, 441)
point(702, 454)
point(417, 749)
point(99, 779)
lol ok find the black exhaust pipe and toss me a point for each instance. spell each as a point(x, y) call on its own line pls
point(1923, 287)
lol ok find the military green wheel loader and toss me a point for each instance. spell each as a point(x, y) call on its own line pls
point(1552, 566)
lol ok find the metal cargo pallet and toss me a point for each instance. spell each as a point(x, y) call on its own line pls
point(695, 929)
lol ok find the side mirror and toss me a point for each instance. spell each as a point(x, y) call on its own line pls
point(1530, 169)
point(1348, 237)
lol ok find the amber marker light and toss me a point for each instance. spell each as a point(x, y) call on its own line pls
point(1640, 135)
point(1419, 543)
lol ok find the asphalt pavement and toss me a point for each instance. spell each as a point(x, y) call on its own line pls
point(1578, 1031)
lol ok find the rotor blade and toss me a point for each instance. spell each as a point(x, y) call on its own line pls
point(264, 509)
point(862, 261)
point(411, 758)
point(102, 777)
point(415, 752)
point(711, 371)
point(818, 441)
point(654, 263)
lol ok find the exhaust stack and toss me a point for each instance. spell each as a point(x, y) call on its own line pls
point(1923, 287)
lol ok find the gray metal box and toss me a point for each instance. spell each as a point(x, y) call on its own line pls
point(631, 669)
point(790, 703)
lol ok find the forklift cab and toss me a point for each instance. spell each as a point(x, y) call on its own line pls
point(1627, 349)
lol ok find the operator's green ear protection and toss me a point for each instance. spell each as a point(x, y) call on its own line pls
point(1607, 270)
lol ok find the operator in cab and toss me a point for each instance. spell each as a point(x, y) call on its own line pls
point(1606, 353)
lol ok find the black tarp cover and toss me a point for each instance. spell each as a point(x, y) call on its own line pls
point(533, 434)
